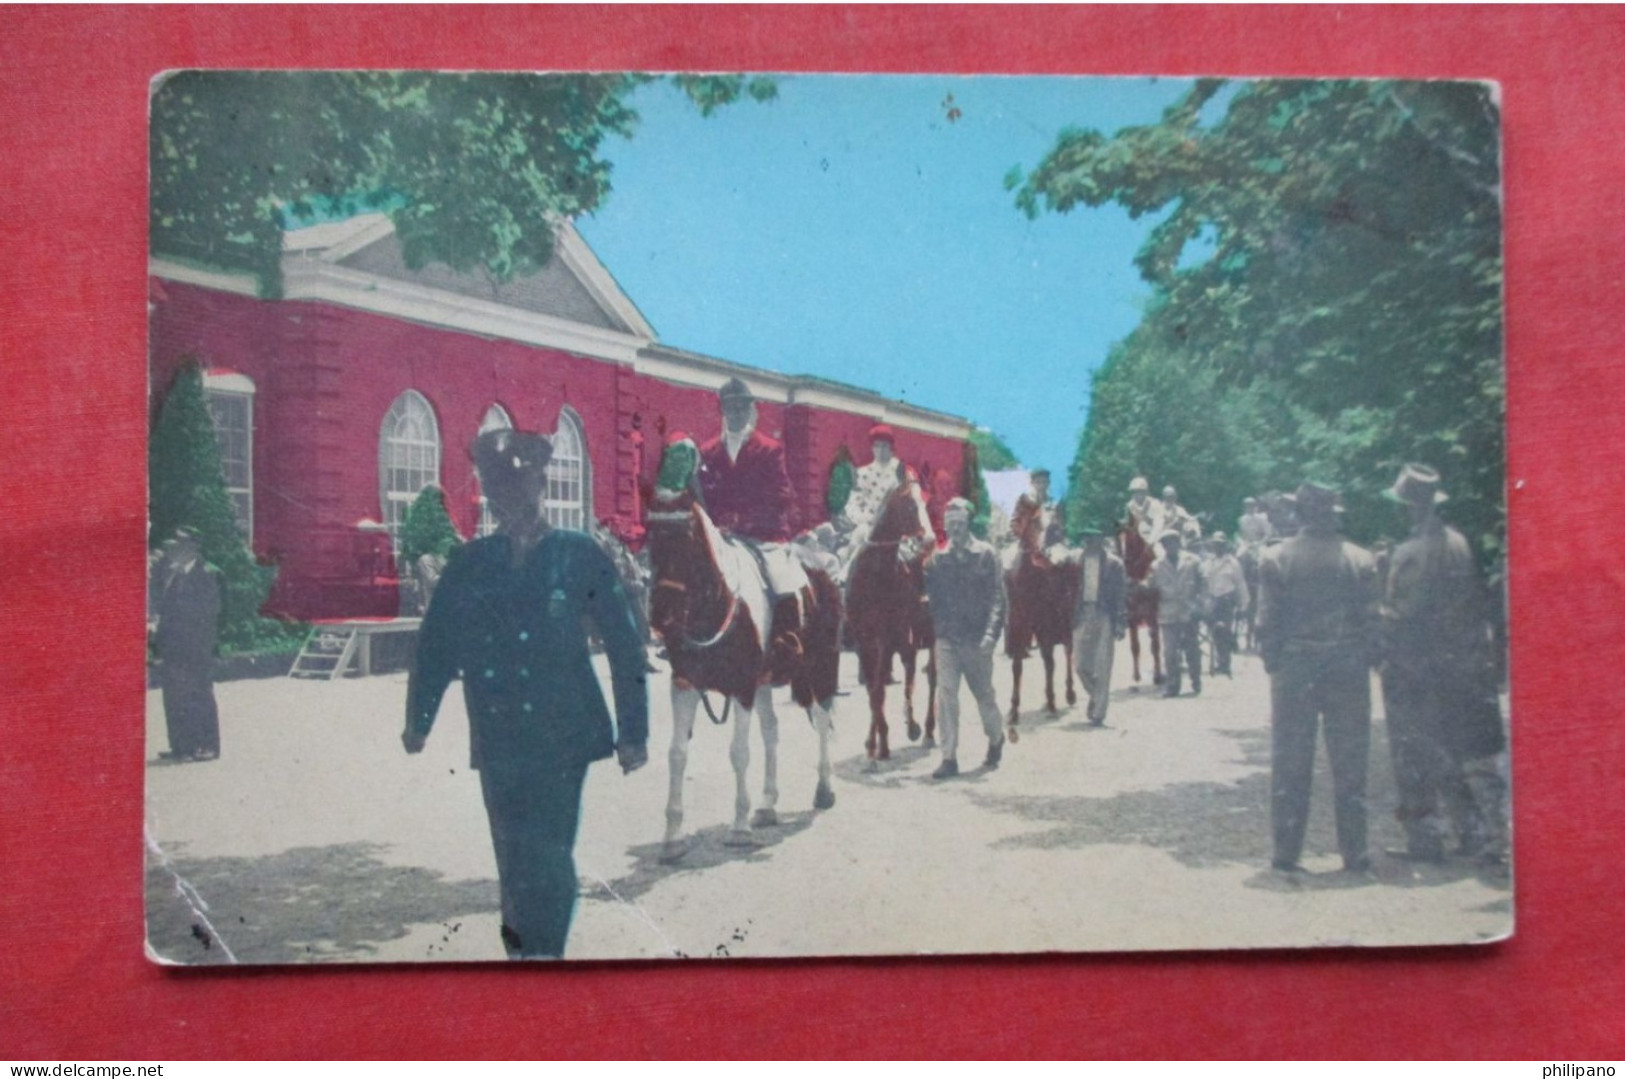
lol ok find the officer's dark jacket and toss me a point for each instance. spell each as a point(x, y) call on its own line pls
point(518, 639)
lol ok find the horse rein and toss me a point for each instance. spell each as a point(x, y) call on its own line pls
point(728, 618)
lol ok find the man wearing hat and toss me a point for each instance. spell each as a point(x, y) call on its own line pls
point(746, 487)
point(873, 485)
point(186, 615)
point(966, 590)
point(1253, 530)
point(1228, 597)
point(1182, 595)
point(1317, 627)
point(1099, 620)
point(1178, 518)
point(508, 619)
point(1439, 684)
point(1143, 513)
point(1036, 524)
point(743, 474)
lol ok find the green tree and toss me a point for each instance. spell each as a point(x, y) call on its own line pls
point(985, 452)
point(843, 476)
point(992, 452)
point(187, 486)
point(427, 528)
point(474, 169)
point(1330, 249)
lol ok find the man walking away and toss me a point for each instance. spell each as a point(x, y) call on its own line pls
point(1227, 585)
point(1182, 591)
point(1317, 623)
point(1439, 685)
point(1099, 620)
point(966, 591)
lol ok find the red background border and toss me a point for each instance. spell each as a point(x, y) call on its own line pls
point(73, 983)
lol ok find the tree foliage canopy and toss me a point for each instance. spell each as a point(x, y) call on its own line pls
point(474, 169)
point(1327, 296)
point(991, 450)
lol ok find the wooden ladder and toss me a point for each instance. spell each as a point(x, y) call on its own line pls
point(327, 653)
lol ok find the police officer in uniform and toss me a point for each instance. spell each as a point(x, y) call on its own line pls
point(508, 618)
point(1318, 630)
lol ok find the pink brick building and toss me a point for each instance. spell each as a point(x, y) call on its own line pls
point(336, 404)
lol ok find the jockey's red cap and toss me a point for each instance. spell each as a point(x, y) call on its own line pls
point(675, 437)
point(881, 432)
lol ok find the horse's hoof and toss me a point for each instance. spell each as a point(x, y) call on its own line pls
point(1015, 735)
point(764, 818)
point(824, 797)
point(672, 850)
point(1071, 698)
point(930, 742)
point(739, 837)
point(913, 731)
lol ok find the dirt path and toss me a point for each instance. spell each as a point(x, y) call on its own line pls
point(316, 837)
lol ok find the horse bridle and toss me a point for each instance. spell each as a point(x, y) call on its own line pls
point(687, 644)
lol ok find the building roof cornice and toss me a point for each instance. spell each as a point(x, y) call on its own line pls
point(311, 271)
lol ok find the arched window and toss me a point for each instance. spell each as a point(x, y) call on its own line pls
point(567, 502)
point(230, 397)
point(408, 457)
point(496, 419)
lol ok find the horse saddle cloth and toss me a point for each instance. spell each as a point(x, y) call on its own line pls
point(760, 574)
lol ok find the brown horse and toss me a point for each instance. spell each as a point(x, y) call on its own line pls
point(1042, 596)
point(1142, 600)
point(711, 608)
point(889, 615)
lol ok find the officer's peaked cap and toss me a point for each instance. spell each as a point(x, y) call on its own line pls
point(508, 450)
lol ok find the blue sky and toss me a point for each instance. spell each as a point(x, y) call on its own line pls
point(848, 229)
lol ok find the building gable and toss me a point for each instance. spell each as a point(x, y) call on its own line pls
point(572, 286)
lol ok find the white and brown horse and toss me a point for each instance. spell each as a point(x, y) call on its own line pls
point(711, 607)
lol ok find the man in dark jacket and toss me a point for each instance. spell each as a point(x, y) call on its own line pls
point(1439, 684)
point(743, 474)
point(187, 615)
point(507, 618)
point(1317, 626)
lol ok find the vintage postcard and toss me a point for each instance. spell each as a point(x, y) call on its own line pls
point(628, 516)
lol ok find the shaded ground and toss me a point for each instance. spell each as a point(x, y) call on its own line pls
point(308, 904)
point(315, 838)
